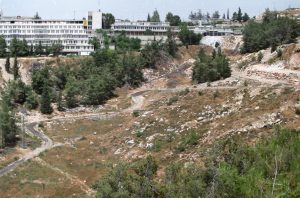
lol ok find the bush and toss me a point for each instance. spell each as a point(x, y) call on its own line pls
point(260, 56)
point(209, 69)
point(184, 92)
point(192, 138)
point(297, 111)
point(136, 113)
point(172, 100)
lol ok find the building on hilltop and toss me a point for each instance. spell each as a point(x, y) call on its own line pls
point(146, 31)
point(72, 34)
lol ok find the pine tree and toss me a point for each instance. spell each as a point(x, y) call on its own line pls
point(7, 64)
point(228, 14)
point(46, 100)
point(148, 18)
point(16, 69)
point(8, 125)
point(3, 47)
point(240, 15)
point(59, 102)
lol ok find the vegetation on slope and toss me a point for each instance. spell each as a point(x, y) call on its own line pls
point(232, 169)
point(211, 68)
point(272, 32)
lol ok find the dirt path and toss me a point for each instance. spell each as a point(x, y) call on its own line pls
point(47, 143)
point(84, 187)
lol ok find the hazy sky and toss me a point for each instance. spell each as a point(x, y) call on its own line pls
point(136, 9)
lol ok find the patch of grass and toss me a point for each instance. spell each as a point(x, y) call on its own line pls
point(102, 150)
point(157, 145)
point(192, 138)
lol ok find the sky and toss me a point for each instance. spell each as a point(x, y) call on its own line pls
point(136, 9)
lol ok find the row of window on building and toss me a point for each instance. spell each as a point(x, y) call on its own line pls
point(43, 31)
point(140, 28)
point(41, 26)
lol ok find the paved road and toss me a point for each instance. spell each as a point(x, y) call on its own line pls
point(46, 144)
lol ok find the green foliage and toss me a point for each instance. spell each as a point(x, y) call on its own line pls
point(19, 47)
point(46, 100)
point(155, 17)
point(279, 53)
point(260, 56)
point(7, 64)
point(123, 42)
point(151, 53)
point(271, 33)
point(136, 113)
point(55, 49)
point(31, 100)
point(297, 111)
point(185, 92)
point(107, 20)
point(39, 76)
point(232, 169)
point(174, 20)
point(39, 49)
point(188, 37)
point(3, 47)
point(172, 100)
point(148, 32)
point(209, 69)
point(192, 138)
point(170, 43)
point(95, 42)
point(16, 69)
point(8, 125)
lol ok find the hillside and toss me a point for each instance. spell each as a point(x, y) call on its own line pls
point(167, 117)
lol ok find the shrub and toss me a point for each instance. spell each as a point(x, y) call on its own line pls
point(172, 100)
point(192, 138)
point(260, 56)
point(136, 113)
point(297, 111)
point(200, 93)
point(216, 94)
point(184, 92)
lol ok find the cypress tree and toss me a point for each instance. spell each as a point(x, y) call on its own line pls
point(16, 69)
point(46, 100)
point(7, 64)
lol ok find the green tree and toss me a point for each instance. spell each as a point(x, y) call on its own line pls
point(46, 100)
point(15, 47)
point(171, 43)
point(59, 102)
point(148, 18)
point(71, 92)
point(239, 15)
point(56, 49)
point(107, 20)
point(8, 125)
point(246, 17)
point(7, 64)
point(3, 47)
point(260, 56)
point(31, 100)
point(188, 37)
point(39, 49)
point(16, 68)
point(39, 77)
point(155, 17)
point(24, 48)
point(216, 15)
point(234, 16)
point(95, 42)
point(173, 19)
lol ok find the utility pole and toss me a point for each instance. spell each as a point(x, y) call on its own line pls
point(23, 132)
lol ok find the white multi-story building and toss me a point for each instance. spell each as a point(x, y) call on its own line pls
point(138, 29)
point(72, 34)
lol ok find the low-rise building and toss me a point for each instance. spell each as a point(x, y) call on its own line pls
point(72, 34)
